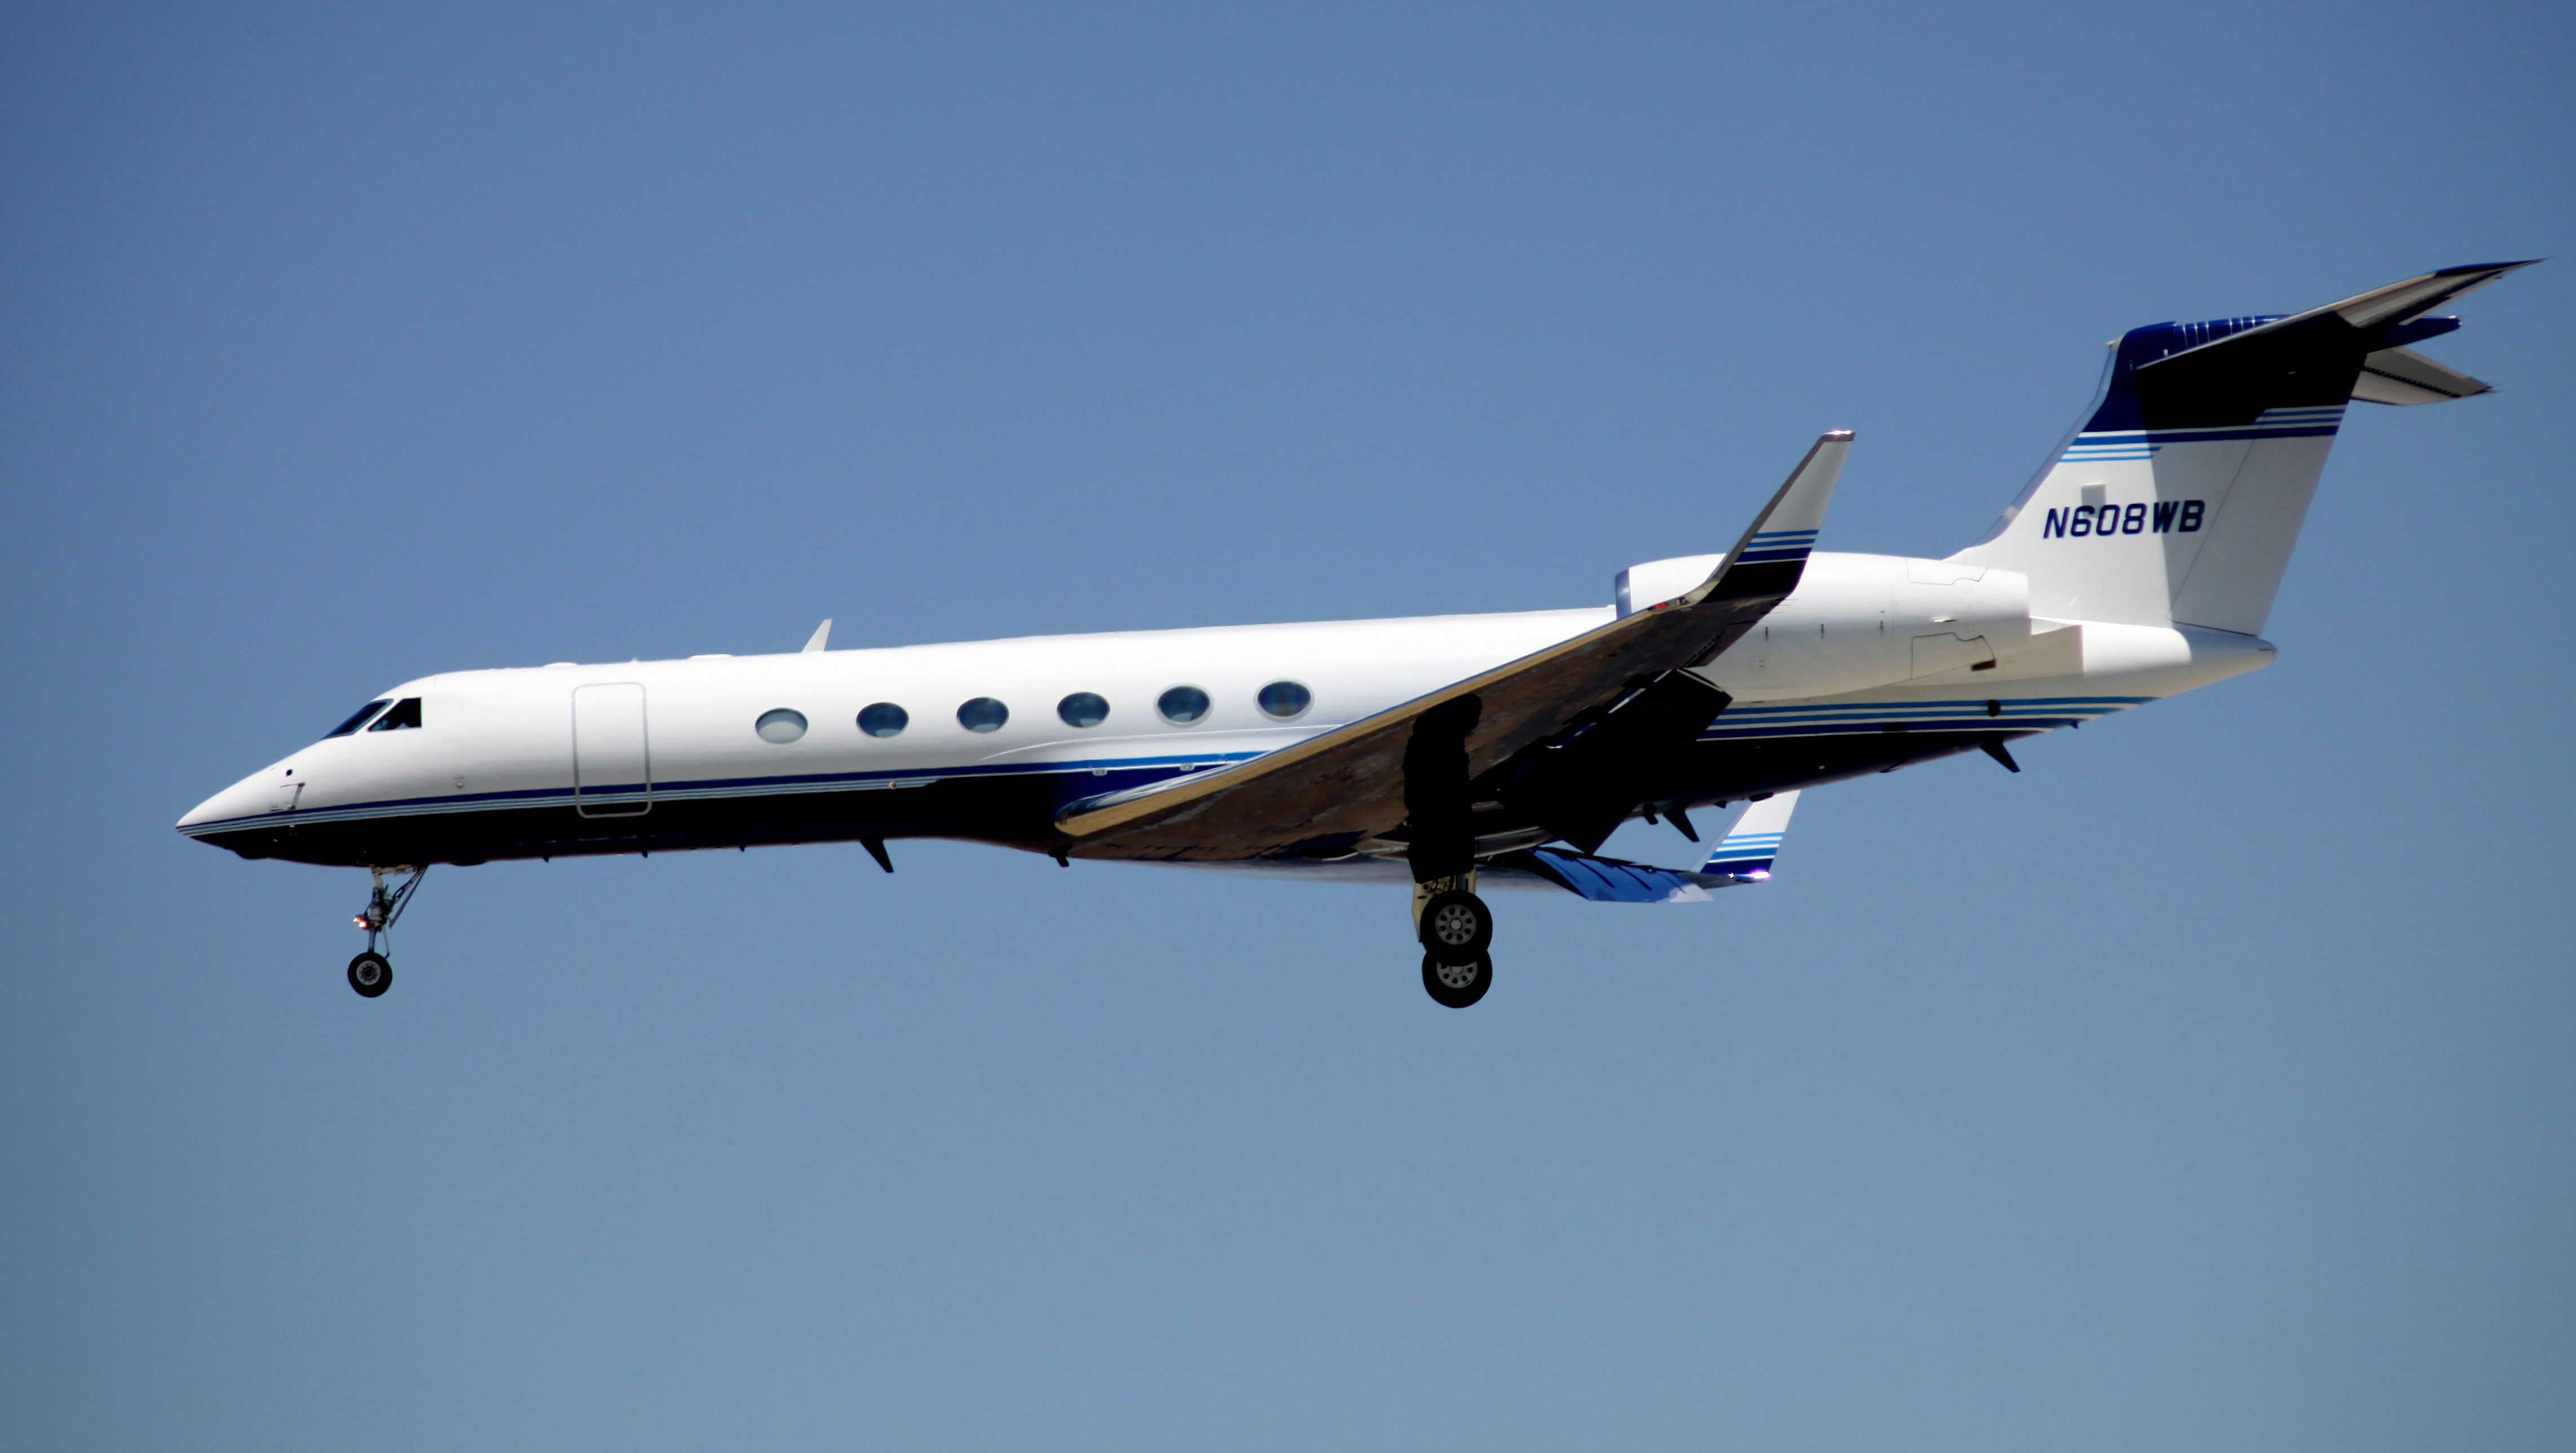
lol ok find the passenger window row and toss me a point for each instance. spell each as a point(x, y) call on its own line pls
point(1181, 706)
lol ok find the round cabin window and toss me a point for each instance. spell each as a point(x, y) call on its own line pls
point(983, 714)
point(885, 719)
point(1083, 709)
point(781, 726)
point(1284, 699)
point(1182, 705)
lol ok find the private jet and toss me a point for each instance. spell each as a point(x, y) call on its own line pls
point(1453, 753)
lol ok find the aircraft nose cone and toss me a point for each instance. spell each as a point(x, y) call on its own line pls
point(213, 809)
point(272, 793)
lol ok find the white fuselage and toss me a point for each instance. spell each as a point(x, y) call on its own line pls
point(1867, 645)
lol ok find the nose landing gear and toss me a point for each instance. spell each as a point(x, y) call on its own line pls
point(371, 973)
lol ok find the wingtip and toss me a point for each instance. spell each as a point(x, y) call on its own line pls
point(1839, 436)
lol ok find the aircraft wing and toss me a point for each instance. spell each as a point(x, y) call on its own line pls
point(1751, 846)
point(1325, 796)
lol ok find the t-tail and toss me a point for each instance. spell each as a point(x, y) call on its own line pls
point(2177, 499)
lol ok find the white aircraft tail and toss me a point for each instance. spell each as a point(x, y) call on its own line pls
point(2177, 499)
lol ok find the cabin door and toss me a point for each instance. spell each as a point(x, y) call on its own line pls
point(612, 763)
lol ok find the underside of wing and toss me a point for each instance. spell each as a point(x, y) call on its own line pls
point(1617, 685)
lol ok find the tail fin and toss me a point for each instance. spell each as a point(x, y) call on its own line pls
point(2177, 500)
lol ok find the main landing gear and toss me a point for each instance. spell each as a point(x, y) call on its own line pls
point(1455, 986)
point(371, 973)
point(1453, 923)
point(1456, 925)
point(1456, 929)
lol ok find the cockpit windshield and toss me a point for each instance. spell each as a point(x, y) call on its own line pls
point(357, 719)
point(406, 713)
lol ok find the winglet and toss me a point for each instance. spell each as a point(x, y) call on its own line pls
point(1753, 843)
point(821, 640)
point(1773, 553)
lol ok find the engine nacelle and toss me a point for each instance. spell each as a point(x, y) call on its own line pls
point(1856, 621)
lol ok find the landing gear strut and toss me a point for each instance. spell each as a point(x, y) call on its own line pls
point(1454, 925)
point(371, 973)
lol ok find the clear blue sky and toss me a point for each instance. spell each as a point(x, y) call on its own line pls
point(2208, 1085)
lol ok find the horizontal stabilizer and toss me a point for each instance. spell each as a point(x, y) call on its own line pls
point(2229, 372)
point(1753, 843)
point(2404, 376)
point(2413, 298)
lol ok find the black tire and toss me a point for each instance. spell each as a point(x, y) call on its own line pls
point(1455, 986)
point(1456, 926)
point(370, 974)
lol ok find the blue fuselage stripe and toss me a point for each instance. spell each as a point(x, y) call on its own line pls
point(1738, 723)
point(2139, 439)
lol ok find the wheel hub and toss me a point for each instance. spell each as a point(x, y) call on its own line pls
point(1454, 925)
